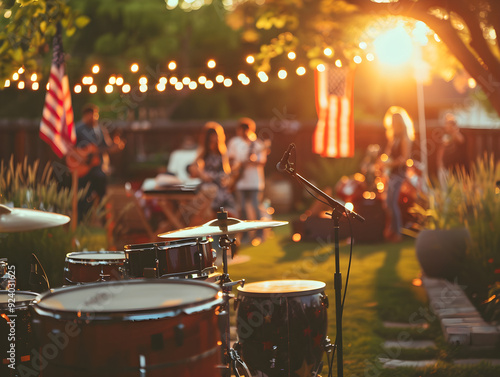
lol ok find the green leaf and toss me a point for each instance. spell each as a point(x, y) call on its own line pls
point(82, 21)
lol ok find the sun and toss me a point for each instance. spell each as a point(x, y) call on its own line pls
point(394, 47)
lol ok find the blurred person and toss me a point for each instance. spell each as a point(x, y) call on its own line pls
point(450, 153)
point(181, 160)
point(400, 135)
point(91, 160)
point(212, 166)
point(248, 155)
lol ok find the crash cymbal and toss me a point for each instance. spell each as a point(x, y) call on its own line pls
point(215, 228)
point(22, 219)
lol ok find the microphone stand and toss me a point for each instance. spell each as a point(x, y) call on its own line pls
point(338, 211)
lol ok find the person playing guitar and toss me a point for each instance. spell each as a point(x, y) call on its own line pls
point(247, 156)
point(89, 159)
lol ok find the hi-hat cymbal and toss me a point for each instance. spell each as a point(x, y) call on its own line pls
point(214, 228)
point(22, 219)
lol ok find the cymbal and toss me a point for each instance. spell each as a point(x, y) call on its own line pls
point(214, 228)
point(22, 219)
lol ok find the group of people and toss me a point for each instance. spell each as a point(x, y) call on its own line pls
point(231, 175)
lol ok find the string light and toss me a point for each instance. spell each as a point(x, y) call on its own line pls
point(211, 63)
point(7, 83)
point(163, 81)
point(186, 80)
point(15, 76)
point(363, 45)
point(321, 68)
point(245, 80)
point(95, 69)
point(34, 77)
point(172, 65)
point(87, 80)
point(35, 86)
point(209, 84)
point(292, 55)
point(160, 87)
point(370, 57)
point(250, 59)
point(192, 85)
point(93, 89)
point(143, 88)
point(20, 70)
point(178, 85)
point(262, 76)
point(108, 88)
point(202, 79)
point(282, 74)
point(77, 89)
point(112, 80)
point(228, 82)
point(219, 79)
point(119, 81)
point(20, 85)
point(173, 80)
point(338, 63)
point(357, 59)
point(126, 88)
point(134, 67)
point(143, 80)
point(328, 52)
point(47, 86)
point(301, 71)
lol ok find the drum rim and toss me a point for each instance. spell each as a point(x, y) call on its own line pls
point(314, 290)
point(132, 314)
point(19, 304)
point(95, 261)
point(165, 245)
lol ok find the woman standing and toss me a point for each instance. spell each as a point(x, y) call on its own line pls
point(213, 166)
point(400, 135)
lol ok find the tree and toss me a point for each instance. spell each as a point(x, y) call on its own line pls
point(468, 28)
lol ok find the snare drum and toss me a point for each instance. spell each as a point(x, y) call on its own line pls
point(130, 328)
point(15, 329)
point(190, 258)
point(281, 326)
point(94, 266)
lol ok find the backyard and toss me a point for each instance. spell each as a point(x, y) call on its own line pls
point(381, 300)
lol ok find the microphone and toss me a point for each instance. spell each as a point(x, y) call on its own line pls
point(281, 166)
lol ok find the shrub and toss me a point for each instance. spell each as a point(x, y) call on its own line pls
point(23, 186)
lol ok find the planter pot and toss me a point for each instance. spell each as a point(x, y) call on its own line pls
point(441, 251)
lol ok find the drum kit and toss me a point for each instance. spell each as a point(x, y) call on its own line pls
point(159, 309)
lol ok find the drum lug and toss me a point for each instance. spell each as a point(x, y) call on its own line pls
point(236, 303)
point(179, 334)
point(324, 300)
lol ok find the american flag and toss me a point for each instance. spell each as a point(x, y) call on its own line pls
point(57, 126)
point(334, 134)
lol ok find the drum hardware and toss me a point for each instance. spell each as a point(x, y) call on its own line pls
point(338, 210)
point(38, 282)
point(6, 278)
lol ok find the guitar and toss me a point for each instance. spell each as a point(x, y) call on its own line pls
point(238, 168)
point(82, 159)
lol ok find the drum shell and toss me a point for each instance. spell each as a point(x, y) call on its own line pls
point(173, 342)
point(279, 334)
point(81, 268)
point(24, 338)
point(175, 259)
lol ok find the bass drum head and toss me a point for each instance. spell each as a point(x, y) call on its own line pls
point(130, 297)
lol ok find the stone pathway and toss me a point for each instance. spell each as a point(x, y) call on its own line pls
point(460, 322)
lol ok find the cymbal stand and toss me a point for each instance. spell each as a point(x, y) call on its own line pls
point(231, 356)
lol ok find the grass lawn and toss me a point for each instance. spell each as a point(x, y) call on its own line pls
point(380, 289)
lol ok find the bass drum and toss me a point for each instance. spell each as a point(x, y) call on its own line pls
point(282, 326)
point(190, 258)
point(93, 266)
point(130, 328)
point(16, 331)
